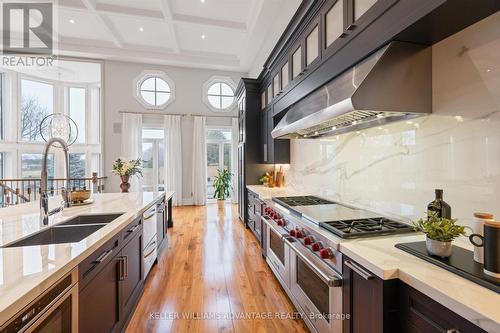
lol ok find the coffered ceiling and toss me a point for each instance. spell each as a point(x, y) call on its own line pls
point(215, 34)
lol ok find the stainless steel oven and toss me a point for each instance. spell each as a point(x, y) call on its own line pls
point(277, 251)
point(316, 287)
point(55, 311)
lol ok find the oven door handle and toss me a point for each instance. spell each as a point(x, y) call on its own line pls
point(332, 280)
point(273, 228)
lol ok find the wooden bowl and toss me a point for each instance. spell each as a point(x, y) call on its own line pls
point(80, 196)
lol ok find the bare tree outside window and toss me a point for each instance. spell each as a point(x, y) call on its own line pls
point(37, 101)
point(32, 116)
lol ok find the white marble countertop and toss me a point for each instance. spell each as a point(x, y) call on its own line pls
point(265, 192)
point(379, 255)
point(25, 272)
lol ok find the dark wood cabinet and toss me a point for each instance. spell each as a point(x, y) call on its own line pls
point(370, 302)
point(132, 278)
point(99, 301)
point(250, 162)
point(326, 37)
point(421, 314)
point(274, 151)
point(111, 282)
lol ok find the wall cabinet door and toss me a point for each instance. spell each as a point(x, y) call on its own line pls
point(99, 301)
point(296, 60)
point(285, 75)
point(263, 135)
point(312, 45)
point(269, 93)
point(276, 85)
point(131, 283)
point(363, 12)
point(334, 23)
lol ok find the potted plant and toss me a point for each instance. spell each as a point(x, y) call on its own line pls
point(222, 185)
point(440, 234)
point(126, 169)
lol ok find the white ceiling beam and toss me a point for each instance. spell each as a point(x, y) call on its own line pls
point(115, 34)
point(139, 13)
point(166, 9)
point(146, 54)
point(203, 21)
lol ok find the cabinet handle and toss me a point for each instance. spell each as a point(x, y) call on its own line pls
point(150, 216)
point(134, 228)
point(125, 264)
point(364, 274)
point(121, 274)
point(265, 152)
point(453, 330)
point(103, 256)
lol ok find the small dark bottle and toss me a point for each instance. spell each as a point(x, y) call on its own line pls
point(439, 206)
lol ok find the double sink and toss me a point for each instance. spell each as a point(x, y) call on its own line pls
point(71, 231)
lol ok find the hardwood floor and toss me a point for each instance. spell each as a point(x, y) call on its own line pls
point(212, 270)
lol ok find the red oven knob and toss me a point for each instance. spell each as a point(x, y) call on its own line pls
point(326, 253)
point(281, 222)
point(293, 232)
point(316, 246)
point(308, 240)
point(299, 233)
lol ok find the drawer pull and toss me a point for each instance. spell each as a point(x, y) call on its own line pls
point(150, 216)
point(134, 228)
point(151, 252)
point(103, 256)
point(125, 270)
point(453, 330)
point(364, 274)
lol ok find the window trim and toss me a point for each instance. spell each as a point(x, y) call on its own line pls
point(218, 79)
point(147, 74)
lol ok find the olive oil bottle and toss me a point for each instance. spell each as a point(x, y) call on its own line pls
point(439, 206)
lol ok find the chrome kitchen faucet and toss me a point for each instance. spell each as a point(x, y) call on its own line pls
point(66, 193)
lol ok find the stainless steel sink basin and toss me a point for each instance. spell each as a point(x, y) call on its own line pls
point(91, 219)
point(71, 231)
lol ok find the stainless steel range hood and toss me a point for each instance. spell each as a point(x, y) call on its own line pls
point(393, 84)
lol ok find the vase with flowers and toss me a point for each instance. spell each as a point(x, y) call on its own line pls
point(126, 169)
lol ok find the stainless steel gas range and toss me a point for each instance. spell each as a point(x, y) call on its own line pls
point(302, 238)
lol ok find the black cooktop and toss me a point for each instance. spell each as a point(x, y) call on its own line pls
point(365, 227)
point(307, 200)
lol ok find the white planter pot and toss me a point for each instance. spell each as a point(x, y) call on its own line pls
point(437, 248)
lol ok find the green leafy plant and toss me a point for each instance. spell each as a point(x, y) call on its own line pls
point(122, 167)
point(264, 179)
point(438, 228)
point(222, 184)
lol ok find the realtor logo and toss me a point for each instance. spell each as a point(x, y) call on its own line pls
point(27, 28)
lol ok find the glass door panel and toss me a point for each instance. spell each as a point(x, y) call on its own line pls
point(213, 164)
point(148, 166)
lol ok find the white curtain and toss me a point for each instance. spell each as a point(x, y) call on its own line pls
point(199, 162)
point(235, 135)
point(173, 157)
point(132, 144)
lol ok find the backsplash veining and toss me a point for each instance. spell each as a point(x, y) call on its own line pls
point(394, 169)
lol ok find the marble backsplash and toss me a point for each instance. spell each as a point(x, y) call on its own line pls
point(394, 169)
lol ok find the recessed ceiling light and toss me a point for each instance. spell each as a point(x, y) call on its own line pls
point(488, 70)
point(72, 21)
point(203, 36)
point(141, 29)
point(202, 1)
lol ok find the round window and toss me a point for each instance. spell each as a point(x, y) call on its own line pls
point(155, 91)
point(220, 95)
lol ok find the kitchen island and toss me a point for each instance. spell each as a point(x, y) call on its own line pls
point(26, 272)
